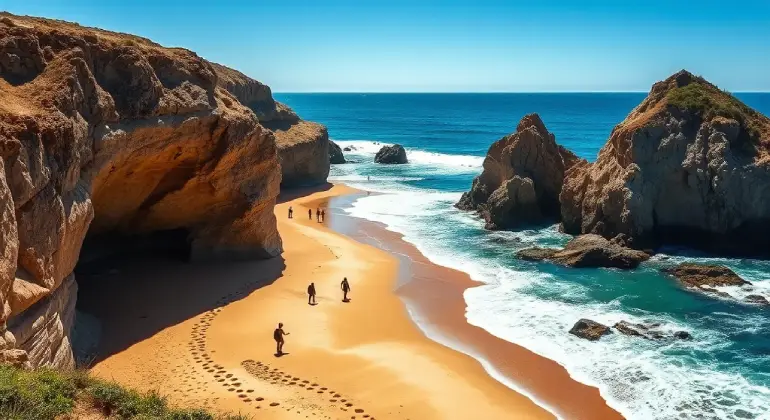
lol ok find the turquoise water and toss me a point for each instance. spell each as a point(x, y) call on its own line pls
point(724, 372)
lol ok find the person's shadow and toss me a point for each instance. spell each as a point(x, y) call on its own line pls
point(313, 304)
point(281, 354)
point(346, 300)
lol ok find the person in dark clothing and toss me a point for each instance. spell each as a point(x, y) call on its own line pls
point(318, 215)
point(291, 212)
point(278, 336)
point(323, 215)
point(345, 286)
point(311, 294)
point(309, 214)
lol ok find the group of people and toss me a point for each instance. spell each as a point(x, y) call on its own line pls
point(320, 214)
point(279, 333)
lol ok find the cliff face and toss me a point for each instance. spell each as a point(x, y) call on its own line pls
point(522, 178)
point(107, 133)
point(690, 164)
point(303, 146)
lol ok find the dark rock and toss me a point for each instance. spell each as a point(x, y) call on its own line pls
point(701, 276)
point(590, 330)
point(683, 335)
point(761, 300)
point(335, 154)
point(522, 178)
point(349, 148)
point(588, 251)
point(628, 328)
point(391, 155)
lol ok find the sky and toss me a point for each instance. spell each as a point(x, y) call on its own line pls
point(450, 46)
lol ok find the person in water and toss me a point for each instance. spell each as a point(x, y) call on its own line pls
point(291, 212)
point(278, 336)
point(345, 286)
point(311, 294)
point(323, 215)
point(309, 214)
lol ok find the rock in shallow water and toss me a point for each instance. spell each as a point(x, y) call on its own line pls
point(335, 154)
point(391, 155)
point(700, 275)
point(590, 330)
point(588, 251)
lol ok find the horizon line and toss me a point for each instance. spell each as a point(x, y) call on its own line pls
point(485, 92)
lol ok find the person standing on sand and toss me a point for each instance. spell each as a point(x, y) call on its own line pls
point(278, 336)
point(291, 212)
point(311, 294)
point(345, 286)
point(318, 215)
point(309, 214)
point(323, 215)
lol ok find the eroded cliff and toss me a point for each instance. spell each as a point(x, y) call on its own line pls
point(690, 164)
point(303, 146)
point(106, 133)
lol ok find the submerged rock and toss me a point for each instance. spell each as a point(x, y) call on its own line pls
point(590, 330)
point(757, 299)
point(700, 276)
point(690, 164)
point(335, 154)
point(522, 178)
point(394, 154)
point(628, 328)
point(588, 251)
point(683, 335)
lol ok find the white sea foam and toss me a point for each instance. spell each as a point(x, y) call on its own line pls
point(641, 379)
point(417, 156)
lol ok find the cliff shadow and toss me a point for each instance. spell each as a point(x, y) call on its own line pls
point(127, 298)
point(288, 194)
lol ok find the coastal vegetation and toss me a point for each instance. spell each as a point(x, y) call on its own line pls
point(48, 394)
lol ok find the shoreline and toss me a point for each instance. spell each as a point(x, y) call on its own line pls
point(433, 295)
point(203, 334)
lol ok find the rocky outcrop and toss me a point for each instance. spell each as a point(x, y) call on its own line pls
point(690, 164)
point(394, 154)
point(588, 251)
point(648, 331)
point(522, 178)
point(104, 133)
point(590, 330)
point(335, 154)
point(303, 146)
point(757, 299)
point(705, 276)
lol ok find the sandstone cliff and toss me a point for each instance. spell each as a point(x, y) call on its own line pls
point(690, 164)
point(522, 178)
point(303, 146)
point(107, 133)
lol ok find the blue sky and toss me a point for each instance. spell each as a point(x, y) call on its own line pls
point(468, 46)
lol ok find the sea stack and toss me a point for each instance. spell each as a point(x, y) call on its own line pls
point(303, 146)
point(394, 154)
point(690, 164)
point(111, 135)
point(522, 178)
point(336, 156)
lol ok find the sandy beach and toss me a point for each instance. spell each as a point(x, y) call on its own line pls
point(202, 334)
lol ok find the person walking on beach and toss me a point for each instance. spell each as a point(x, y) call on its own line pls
point(323, 215)
point(318, 215)
point(345, 286)
point(278, 336)
point(311, 294)
point(291, 212)
point(309, 214)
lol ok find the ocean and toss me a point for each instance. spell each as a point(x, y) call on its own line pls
point(723, 373)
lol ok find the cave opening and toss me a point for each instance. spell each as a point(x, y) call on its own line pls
point(100, 277)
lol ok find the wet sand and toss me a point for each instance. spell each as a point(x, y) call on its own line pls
point(202, 334)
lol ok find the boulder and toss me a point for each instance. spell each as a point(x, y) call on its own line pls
point(683, 335)
point(590, 330)
point(522, 178)
point(757, 299)
point(335, 154)
point(588, 251)
point(16, 358)
point(628, 328)
point(106, 133)
point(689, 165)
point(394, 154)
point(701, 276)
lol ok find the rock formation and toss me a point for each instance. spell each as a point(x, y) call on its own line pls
point(588, 251)
point(648, 331)
point(111, 134)
point(705, 276)
point(690, 164)
point(303, 146)
point(335, 154)
point(522, 178)
point(391, 155)
point(590, 330)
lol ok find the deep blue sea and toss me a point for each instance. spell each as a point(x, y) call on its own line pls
point(723, 373)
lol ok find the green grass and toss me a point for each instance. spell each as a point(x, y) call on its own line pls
point(708, 101)
point(47, 394)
